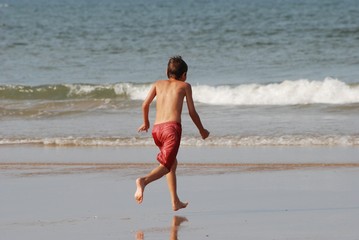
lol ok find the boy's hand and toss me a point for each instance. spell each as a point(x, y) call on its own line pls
point(144, 127)
point(204, 133)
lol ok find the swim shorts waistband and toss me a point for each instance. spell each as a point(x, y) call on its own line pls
point(170, 122)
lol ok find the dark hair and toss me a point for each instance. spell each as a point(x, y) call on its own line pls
point(176, 67)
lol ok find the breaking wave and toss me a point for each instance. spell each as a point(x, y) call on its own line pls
point(299, 92)
point(74, 91)
point(328, 91)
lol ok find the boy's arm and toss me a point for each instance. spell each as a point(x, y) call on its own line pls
point(146, 108)
point(193, 113)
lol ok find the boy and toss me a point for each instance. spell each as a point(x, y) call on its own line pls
point(167, 128)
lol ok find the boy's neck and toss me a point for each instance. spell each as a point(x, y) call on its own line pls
point(182, 79)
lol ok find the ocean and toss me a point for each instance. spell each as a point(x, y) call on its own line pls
point(264, 72)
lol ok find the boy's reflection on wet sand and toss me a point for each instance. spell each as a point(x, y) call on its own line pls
point(176, 222)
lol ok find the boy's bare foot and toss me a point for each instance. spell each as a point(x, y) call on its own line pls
point(139, 191)
point(179, 205)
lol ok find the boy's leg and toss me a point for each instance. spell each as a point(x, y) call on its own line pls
point(141, 183)
point(172, 185)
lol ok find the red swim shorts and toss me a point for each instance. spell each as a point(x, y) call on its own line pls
point(167, 137)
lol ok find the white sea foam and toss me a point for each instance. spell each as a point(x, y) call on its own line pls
point(85, 89)
point(328, 91)
point(134, 91)
point(221, 141)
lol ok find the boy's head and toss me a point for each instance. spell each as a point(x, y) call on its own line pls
point(176, 67)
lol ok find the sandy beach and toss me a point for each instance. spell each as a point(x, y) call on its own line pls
point(87, 193)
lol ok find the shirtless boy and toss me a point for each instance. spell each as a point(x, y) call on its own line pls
point(167, 128)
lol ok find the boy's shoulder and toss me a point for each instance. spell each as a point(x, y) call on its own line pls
point(159, 81)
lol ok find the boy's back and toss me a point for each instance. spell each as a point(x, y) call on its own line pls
point(169, 100)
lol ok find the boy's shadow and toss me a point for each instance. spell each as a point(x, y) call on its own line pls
point(176, 222)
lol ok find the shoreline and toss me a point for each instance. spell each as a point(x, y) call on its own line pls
point(185, 169)
point(186, 154)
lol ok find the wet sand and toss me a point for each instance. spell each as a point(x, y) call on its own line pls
point(74, 193)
